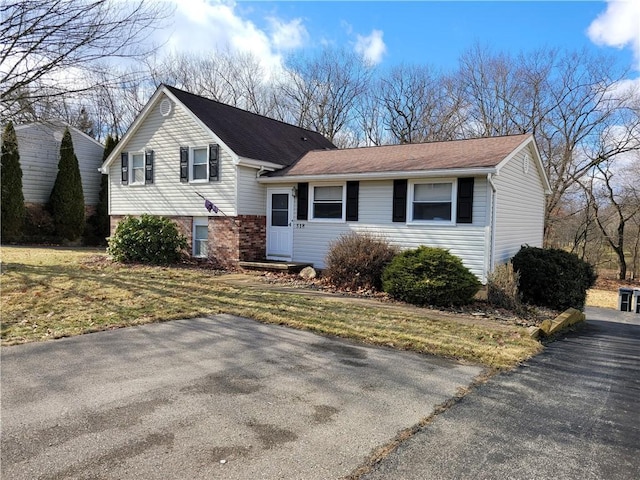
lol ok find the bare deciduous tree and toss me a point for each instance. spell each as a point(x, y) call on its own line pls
point(45, 43)
point(417, 107)
point(614, 202)
point(321, 92)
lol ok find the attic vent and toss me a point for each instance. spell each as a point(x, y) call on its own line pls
point(165, 107)
point(526, 163)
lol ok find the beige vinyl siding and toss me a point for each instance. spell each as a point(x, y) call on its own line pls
point(167, 195)
point(312, 239)
point(519, 207)
point(39, 156)
point(252, 196)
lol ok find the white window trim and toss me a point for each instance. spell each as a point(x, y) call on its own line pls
point(454, 203)
point(312, 191)
point(132, 181)
point(191, 158)
point(199, 222)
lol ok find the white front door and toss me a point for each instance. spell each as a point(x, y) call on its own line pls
point(279, 224)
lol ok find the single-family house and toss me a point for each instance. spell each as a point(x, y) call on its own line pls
point(280, 192)
point(39, 148)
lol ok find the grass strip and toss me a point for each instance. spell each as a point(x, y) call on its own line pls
point(53, 293)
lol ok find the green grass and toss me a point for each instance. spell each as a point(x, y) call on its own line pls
point(52, 293)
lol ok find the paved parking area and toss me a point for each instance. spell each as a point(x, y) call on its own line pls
point(221, 397)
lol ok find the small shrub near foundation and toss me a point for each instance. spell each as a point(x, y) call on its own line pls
point(553, 278)
point(430, 276)
point(148, 239)
point(357, 260)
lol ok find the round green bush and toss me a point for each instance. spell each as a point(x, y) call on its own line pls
point(357, 260)
point(429, 276)
point(148, 239)
point(553, 278)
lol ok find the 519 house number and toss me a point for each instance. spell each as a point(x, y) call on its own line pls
point(299, 225)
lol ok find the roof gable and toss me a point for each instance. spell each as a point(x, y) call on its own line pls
point(57, 126)
point(250, 135)
point(478, 153)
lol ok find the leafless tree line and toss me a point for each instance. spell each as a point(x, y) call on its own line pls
point(584, 115)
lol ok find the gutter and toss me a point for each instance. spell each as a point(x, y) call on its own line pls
point(327, 177)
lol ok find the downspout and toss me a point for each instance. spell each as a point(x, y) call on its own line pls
point(492, 225)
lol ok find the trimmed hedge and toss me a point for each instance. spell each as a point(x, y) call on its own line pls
point(553, 278)
point(430, 276)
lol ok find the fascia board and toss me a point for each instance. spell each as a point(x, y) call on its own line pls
point(450, 172)
point(258, 164)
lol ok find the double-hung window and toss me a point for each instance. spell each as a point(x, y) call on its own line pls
point(433, 201)
point(327, 202)
point(199, 170)
point(200, 164)
point(200, 237)
point(137, 169)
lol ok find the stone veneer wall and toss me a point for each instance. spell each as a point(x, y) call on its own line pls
point(231, 239)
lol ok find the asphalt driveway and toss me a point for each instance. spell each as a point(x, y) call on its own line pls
point(221, 397)
point(572, 412)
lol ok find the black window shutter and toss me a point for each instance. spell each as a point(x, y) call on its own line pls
point(399, 200)
point(214, 162)
point(184, 164)
point(303, 201)
point(464, 212)
point(124, 167)
point(148, 166)
point(352, 201)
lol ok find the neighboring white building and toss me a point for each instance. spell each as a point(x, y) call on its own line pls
point(39, 148)
point(284, 193)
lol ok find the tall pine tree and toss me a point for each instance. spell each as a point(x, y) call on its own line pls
point(67, 198)
point(13, 211)
point(100, 219)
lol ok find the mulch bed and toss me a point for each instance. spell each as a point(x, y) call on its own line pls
point(532, 316)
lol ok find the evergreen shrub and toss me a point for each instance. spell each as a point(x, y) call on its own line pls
point(553, 278)
point(148, 239)
point(12, 198)
point(430, 276)
point(98, 227)
point(357, 260)
point(67, 199)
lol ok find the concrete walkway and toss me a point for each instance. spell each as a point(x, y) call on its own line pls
point(221, 397)
point(572, 412)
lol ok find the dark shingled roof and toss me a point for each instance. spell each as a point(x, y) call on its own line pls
point(251, 135)
point(460, 154)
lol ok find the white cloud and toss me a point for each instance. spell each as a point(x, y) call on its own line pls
point(202, 26)
point(287, 35)
point(371, 47)
point(618, 26)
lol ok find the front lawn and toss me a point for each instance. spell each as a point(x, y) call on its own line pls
point(50, 293)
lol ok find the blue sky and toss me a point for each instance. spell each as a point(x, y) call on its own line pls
point(438, 32)
point(390, 33)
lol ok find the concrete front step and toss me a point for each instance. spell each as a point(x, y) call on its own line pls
point(276, 265)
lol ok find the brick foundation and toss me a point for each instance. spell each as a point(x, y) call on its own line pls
point(231, 239)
